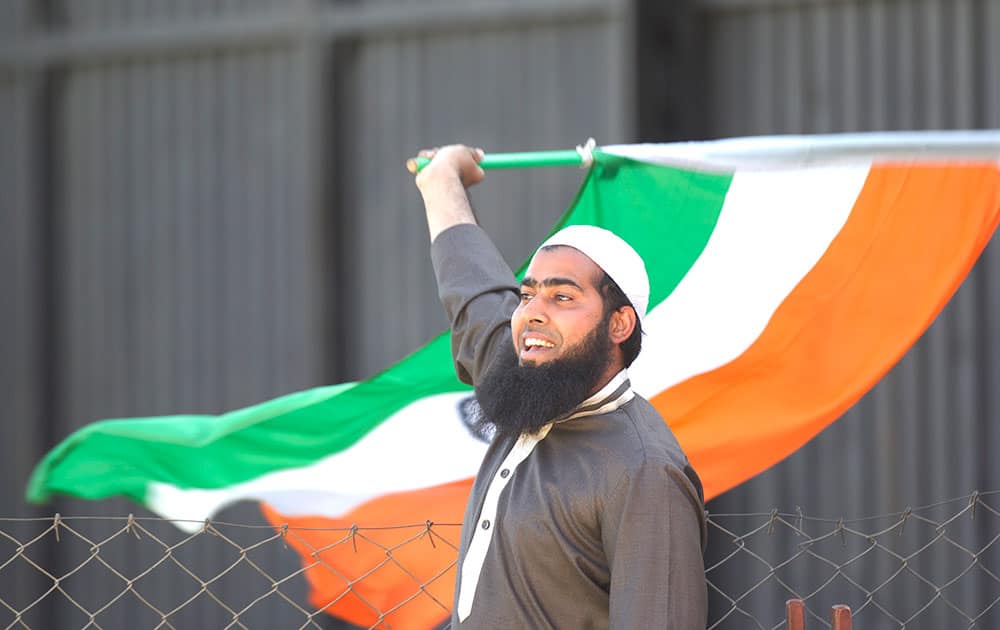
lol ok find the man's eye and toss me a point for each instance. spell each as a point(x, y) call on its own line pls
point(562, 297)
point(525, 297)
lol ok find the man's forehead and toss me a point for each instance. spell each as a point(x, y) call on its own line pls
point(562, 262)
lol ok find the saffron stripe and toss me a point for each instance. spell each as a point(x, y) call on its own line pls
point(913, 235)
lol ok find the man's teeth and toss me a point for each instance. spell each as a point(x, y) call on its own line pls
point(532, 342)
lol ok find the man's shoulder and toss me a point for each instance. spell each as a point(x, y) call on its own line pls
point(626, 438)
point(659, 447)
point(630, 443)
point(650, 434)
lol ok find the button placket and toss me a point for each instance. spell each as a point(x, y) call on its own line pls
point(482, 536)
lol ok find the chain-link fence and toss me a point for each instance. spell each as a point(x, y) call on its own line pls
point(935, 566)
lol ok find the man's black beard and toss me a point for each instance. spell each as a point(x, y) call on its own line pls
point(516, 399)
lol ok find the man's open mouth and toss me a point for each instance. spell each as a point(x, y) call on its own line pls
point(536, 344)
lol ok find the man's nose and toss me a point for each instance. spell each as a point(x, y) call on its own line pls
point(534, 310)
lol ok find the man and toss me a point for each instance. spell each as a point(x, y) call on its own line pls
point(585, 512)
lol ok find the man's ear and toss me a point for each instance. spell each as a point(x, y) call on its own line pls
point(621, 324)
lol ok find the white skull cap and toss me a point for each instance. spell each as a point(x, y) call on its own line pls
point(612, 254)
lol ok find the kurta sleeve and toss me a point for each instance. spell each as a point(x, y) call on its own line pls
point(653, 533)
point(479, 294)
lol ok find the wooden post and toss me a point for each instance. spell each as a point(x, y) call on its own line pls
point(840, 617)
point(795, 614)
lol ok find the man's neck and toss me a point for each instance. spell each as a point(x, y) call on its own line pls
point(615, 393)
point(614, 369)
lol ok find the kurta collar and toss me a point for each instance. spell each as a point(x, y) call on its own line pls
point(613, 395)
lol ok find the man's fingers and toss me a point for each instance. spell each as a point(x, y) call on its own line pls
point(454, 159)
point(477, 153)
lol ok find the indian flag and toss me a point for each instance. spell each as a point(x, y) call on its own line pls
point(788, 274)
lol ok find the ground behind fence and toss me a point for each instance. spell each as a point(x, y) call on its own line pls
point(935, 566)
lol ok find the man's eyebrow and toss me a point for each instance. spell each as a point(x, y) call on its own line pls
point(554, 281)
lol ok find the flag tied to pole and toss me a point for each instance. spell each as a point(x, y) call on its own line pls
point(788, 274)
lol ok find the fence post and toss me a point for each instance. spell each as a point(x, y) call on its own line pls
point(795, 615)
point(840, 617)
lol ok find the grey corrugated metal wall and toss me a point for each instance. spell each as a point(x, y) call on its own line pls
point(927, 432)
point(18, 234)
point(169, 260)
point(210, 211)
point(21, 344)
point(825, 66)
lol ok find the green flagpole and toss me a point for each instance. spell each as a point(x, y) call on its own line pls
point(528, 159)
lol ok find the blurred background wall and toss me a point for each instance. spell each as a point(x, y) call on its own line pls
point(203, 205)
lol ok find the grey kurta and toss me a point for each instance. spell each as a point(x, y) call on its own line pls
point(602, 524)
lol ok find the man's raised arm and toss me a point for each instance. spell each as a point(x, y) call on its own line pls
point(443, 184)
point(475, 284)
